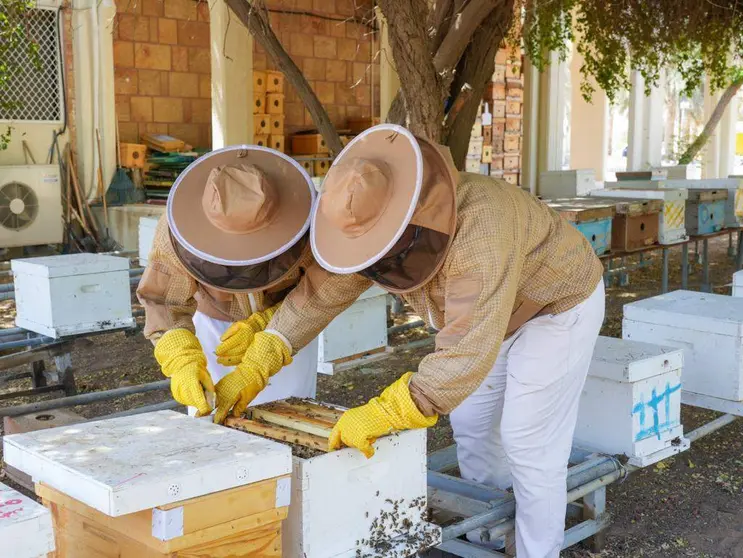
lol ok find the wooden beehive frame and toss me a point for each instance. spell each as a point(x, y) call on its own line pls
point(302, 422)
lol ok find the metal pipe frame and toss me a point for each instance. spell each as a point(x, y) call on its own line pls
point(84, 399)
point(586, 480)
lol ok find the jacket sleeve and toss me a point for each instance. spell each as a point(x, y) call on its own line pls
point(166, 290)
point(310, 306)
point(481, 283)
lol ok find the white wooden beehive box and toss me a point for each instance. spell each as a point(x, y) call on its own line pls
point(738, 283)
point(72, 294)
point(734, 186)
point(343, 504)
point(147, 226)
point(567, 184)
point(709, 328)
point(359, 329)
point(340, 498)
point(25, 527)
point(125, 465)
point(631, 402)
point(671, 221)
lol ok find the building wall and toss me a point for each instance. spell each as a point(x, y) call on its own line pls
point(162, 69)
point(333, 42)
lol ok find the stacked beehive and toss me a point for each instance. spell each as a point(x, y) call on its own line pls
point(504, 96)
point(268, 109)
point(473, 162)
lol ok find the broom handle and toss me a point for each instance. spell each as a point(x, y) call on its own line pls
point(100, 179)
point(79, 196)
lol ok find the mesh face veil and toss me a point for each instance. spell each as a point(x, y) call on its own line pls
point(241, 278)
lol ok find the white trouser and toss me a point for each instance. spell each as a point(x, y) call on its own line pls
point(517, 427)
point(299, 379)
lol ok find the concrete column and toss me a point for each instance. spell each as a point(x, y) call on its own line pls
point(552, 97)
point(530, 140)
point(232, 79)
point(645, 125)
point(589, 130)
point(389, 80)
point(728, 138)
point(718, 154)
point(93, 24)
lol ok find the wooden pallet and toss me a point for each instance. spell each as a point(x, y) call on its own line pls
point(582, 210)
point(301, 422)
point(633, 208)
point(706, 195)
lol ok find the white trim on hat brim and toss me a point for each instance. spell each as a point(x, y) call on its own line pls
point(213, 259)
point(408, 216)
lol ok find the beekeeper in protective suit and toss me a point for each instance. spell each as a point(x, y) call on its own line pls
point(232, 244)
point(515, 293)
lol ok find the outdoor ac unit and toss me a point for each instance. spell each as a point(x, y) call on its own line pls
point(30, 205)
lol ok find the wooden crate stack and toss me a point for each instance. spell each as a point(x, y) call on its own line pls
point(504, 96)
point(268, 109)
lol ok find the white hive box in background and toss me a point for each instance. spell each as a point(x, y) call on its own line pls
point(734, 203)
point(357, 331)
point(124, 465)
point(147, 226)
point(72, 294)
point(342, 498)
point(709, 328)
point(738, 284)
point(25, 527)
point(566, 184)
point(671, 221)
point(631, 402)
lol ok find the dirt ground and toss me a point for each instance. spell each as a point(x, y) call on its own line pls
point(690, 505)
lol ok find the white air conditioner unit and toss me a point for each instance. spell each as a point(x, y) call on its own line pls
point(30, 205)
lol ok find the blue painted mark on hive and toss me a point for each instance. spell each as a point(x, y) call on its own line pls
point(656, 400)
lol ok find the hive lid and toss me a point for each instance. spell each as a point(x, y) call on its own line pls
point(631, 361)
point(665, 194)
point(25, 526)
point(67, 265)
point(127, 464)
point(707, 183)
point(691, 310)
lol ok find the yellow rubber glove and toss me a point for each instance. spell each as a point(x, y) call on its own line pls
point(265, 356)
point(181, 359)
point(393, 410)
point(239, 336)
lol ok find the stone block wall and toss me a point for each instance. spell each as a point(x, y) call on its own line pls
point(334, 43)
point(162, 69)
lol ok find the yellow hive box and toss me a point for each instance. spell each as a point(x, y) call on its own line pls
point(274, 82)
point(242, 522)
point(261, 124)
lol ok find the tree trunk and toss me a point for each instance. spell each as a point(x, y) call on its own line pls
point(693, 150)
point(256, 20)
point(421, 88)
point(451, 44)
point(476, 70)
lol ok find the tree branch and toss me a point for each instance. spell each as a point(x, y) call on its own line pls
point(463, 27)
point(696, 146)
point(256, 22)
point(475, 69)
point(439, 20)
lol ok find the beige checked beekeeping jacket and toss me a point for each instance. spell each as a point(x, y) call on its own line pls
point(170, 296)
point(512, 259)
